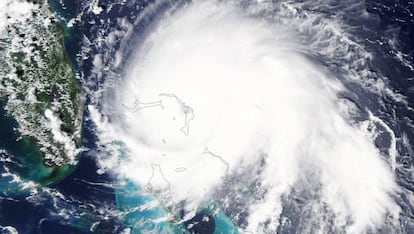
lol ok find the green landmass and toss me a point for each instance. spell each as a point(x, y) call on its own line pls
point(42, 95)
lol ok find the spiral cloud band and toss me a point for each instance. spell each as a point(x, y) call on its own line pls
point(213, 92)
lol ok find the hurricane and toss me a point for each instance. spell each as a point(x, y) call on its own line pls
point(225, 116)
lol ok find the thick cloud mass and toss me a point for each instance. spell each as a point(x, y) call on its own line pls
point(212, 91)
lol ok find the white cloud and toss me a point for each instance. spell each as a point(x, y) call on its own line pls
point(15, 10)
point(251, 93)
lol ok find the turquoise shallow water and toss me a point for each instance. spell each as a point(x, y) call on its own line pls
point(223, 224)
point(21, 157)
point(131, 199)
point(143, 214)
point(129, 196)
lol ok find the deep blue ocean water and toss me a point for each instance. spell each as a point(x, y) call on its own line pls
point(84, 186)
